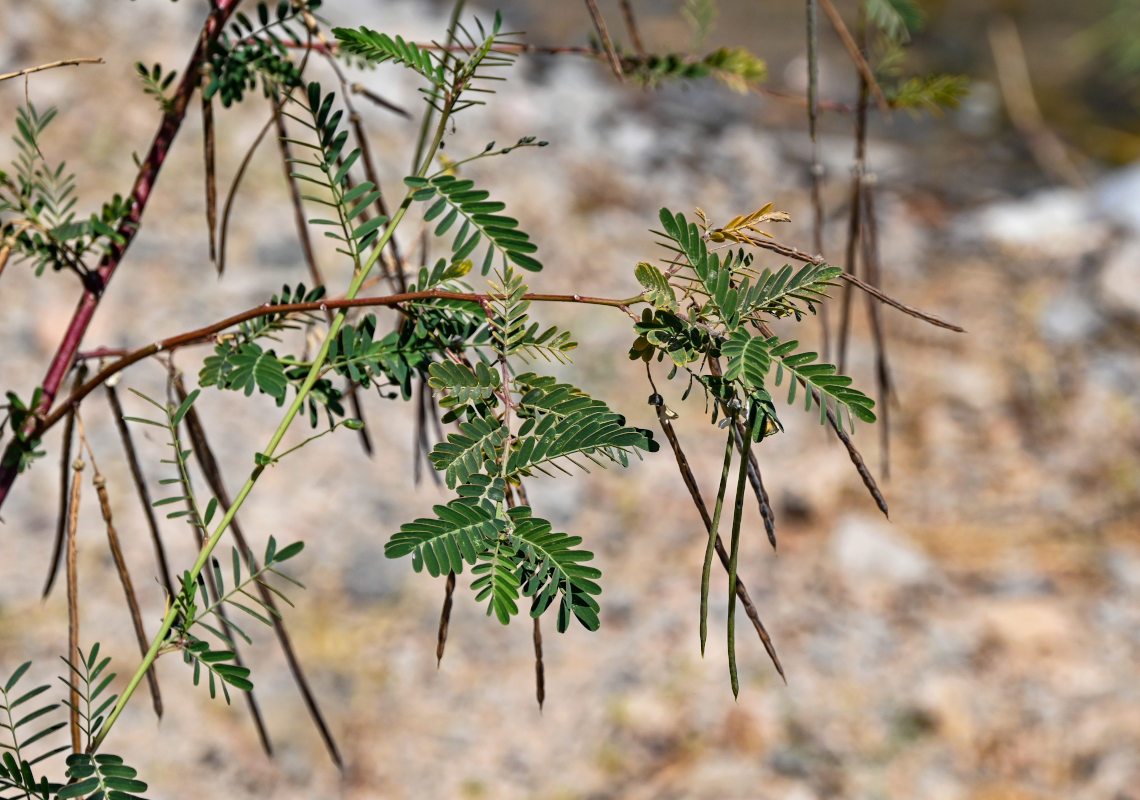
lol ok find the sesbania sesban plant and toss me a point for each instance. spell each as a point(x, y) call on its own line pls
point(462, 344)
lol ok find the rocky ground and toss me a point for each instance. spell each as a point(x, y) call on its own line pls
point(981, 644)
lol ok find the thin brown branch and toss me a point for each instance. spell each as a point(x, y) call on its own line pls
point(604, 35)
point(232, 193)
point(855, 209)
point(871, 262)
point(816, 169)
point(854, 51)
point(856, 459)
point(205, 334)
point(903, 307)
point(631, 26)
point(800, 255)
point(423, 446)
point(67, 62)
point(360, 89)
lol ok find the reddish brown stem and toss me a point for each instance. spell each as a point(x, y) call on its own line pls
point(204, 334)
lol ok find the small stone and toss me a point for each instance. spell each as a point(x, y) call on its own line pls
point(1117, 197)
point(1068, 319)
point(1118, 284)
point(865, 548)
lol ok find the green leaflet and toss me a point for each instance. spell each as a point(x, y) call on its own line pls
point(735, 292)
point(750, 359)
point(462, 384)
point(658, 290)
point(246, 54)
point(27, 720)
point(545, 440)
point(664, 333)
point(497, 582)
point(459, 532)
point(475, 448)
point(747, 358)
point(245, 368)
point(377, 48)
point(479, 221)
point(552, 568)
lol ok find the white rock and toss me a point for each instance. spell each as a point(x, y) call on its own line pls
point(1118, 283)
point(864, 547)
point(1059, 223)
point(1067, 319)
point(1118, 197)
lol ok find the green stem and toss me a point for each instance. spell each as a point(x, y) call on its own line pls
point(274, 441)
point(706, 570)
point(734, 545)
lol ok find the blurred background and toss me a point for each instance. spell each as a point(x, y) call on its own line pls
point(981, 644)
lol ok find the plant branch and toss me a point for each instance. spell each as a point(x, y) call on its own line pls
point(67, 62)
point(205, 334)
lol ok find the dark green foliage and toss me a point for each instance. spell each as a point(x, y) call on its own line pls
point(663, 333)
point(240, 364)
point(473, 449)
point(156, 82)
point(545, 440)
point(749, 360)
point(510, 331)
point(551, 568)
point(244, 368)
point(726, 299)
point(450, 74)
point(326, 164)
point(100, 776)
point(219, 673)
point(512, 428)
point(479, 221)
point(658, 291)
point(497, 582)
point(89, 680)
point(247, 54)
point(459, 532)
point(20, 417)
point(510, 552)
point(377, 48)
point(25, 721)
point(463, 384)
